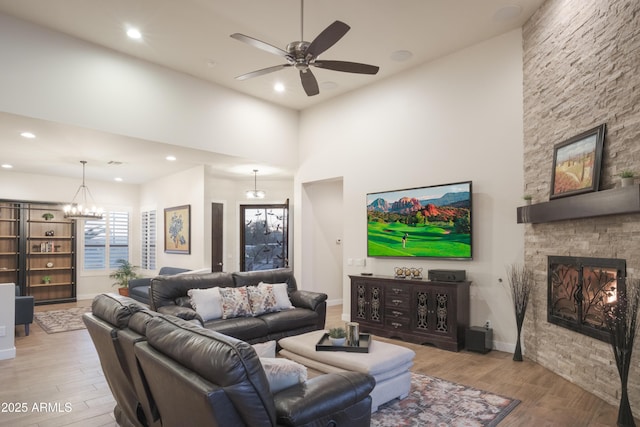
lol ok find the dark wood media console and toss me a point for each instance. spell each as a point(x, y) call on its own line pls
point(417, 311)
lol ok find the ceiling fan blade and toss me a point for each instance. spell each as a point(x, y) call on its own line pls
point(347, 67)
point(327, 38)
point(261, 45)
point(309, 82)
point(262, 71)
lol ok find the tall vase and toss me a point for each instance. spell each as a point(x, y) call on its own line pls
point(517, 355)
point(625, 417)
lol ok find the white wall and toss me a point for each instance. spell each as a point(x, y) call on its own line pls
point(450, 120)
point(322, 225)
point(7, 320)
point(44, 188)
point(58, 78)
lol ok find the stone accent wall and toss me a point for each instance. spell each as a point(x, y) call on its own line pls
point(581, 68)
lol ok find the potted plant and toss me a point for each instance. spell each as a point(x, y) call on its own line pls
point(47, 216)
point(337, 336)
point(46, 279)
point(125, 272)
point(527, 198)
point(626, 178)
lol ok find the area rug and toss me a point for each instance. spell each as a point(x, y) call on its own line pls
point(436, 402)
point(55, 321)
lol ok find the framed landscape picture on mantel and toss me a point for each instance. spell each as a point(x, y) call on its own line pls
point(576, 164)
point(177, 230)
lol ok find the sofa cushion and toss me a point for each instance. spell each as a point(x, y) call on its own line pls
point(282, 296)
point(250, 329)
point(206, 302)
point(283, 373)
point(235, 302)
point(289, 319)
point(277, 275)
point(262, 299)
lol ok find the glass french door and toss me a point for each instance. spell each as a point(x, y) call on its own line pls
point(264, 231)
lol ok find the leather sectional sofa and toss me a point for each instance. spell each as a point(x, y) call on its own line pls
point(170, 295)
point(139, 288)
point(164, 371)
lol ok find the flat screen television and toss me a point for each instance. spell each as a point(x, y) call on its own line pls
point(430, 222)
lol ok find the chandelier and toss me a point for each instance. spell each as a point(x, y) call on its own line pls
point(79, 207)
point(255, 193)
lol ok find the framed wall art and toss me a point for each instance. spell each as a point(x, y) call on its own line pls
point(177, 230)
point(576, 164)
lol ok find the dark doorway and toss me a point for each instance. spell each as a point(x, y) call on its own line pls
point(216, 236)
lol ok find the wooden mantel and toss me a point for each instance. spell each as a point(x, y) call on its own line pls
point(624, 200)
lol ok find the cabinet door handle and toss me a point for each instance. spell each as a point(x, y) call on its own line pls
point(396, 291)
point(396, 313)
point(397, 301)
point(396, 325)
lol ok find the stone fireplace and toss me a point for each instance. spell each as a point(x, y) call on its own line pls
point(578, 289)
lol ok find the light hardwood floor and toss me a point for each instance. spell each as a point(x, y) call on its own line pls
point(63, 368)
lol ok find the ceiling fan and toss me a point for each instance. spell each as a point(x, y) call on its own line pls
point(302, 55)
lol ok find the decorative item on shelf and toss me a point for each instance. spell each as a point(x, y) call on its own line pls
point(255, 193)
point(79, 209)
point(576, 164)
point(57, 248)
point(47, 216)
point(626, 178)
point(416, 273)
point(399, 272)
point(35, 248)
point(520, 286)
point(621, 316)
point(527, 199)
point(49, 233)
point(49, 265)
point(407, 272)
point(337, 336)
point(353, 333)
point(46, 279)
point(125, 272)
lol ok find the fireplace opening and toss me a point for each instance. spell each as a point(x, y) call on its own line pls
point(579, 288)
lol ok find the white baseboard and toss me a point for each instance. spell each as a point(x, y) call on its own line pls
point(86, 297)
point(9, 353)
point(331, 302)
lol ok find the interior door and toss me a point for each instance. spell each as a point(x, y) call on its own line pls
point(264, 231)
point(216, 236)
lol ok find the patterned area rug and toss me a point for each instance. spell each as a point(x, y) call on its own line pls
point(61, 320)
point(436, 402)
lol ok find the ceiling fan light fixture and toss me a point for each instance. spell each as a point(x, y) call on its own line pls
point(255, 193)
point(79, 208)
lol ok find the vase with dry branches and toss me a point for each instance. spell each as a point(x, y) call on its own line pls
point(520, 286)
point(621, 318)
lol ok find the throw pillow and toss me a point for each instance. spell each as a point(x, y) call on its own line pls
point(265, 349)
point(281, 294)
point(283, 373)
point(206, 302)
point(235, 302)
point(262, 300)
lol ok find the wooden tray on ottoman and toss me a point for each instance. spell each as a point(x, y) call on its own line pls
point(363, 345)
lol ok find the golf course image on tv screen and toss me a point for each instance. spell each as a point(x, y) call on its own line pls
point(433, 221)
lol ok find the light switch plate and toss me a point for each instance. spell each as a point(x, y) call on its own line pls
point(3, 331)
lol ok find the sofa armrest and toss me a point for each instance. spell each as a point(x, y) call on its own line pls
point(143, 281)
point(321, 396)
point(307, 299)
point(184, 313)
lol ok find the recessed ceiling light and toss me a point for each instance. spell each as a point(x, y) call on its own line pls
point(134, 33)
point(7, 166)
point(401, 55)
point(211, 64)
point(507, 13)
point(171, 158)
point(278, 87)
point(117, 179)
point(27, 135)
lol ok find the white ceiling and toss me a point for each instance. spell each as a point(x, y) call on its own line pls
point(192, 36)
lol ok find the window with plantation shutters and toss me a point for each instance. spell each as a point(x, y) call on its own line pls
point(106, 241)
point(148, 244)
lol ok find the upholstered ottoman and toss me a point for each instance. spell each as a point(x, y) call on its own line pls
point(388, 363)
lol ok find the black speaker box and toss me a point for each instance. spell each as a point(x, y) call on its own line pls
point(447, 275)
point(479, 339)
